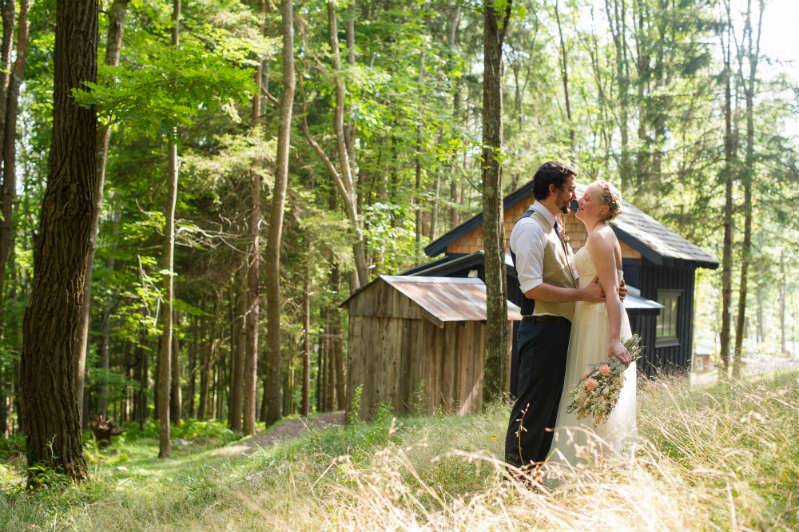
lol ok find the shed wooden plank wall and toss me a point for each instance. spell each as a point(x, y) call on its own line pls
point(413, 366)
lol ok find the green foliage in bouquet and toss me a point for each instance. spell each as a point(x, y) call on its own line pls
point(598, 391)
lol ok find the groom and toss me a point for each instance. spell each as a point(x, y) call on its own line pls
point(543, 262)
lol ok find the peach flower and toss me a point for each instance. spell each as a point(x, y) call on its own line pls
point(604, 370)
point(590, 384)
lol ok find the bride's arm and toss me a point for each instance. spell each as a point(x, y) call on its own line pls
point(601, 249)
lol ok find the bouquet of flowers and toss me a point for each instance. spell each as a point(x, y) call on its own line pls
point(598, 391)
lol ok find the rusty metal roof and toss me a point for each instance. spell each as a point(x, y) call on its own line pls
point(448, 298)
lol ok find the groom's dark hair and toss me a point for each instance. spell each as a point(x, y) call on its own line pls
point(550, 173)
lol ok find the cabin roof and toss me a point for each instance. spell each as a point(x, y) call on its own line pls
point(443, 298)
point(652, 239)
point(457, 262)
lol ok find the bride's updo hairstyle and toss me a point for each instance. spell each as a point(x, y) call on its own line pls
point(609, 195)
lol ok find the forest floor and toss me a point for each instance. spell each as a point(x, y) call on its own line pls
point(723, 456)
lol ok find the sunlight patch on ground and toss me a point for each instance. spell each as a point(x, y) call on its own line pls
point(232, 450)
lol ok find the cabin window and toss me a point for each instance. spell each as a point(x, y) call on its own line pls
point(667, 320)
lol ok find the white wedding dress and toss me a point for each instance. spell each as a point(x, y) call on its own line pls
point(588, 346)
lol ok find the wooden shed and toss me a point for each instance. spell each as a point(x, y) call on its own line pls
point(417, 344)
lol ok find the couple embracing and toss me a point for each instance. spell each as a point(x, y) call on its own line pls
point(573, 319)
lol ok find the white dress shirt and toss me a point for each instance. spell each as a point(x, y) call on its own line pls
point(528, 241)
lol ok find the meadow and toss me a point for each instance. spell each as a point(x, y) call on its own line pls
point(724, 457)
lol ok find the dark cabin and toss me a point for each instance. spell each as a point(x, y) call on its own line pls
point(417, 344)
point(659, 268)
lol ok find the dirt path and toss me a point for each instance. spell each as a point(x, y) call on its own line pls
point(288, 429)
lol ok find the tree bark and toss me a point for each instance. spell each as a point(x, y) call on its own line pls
point(496, 299)
point(142, 373)
point(783, 290)
point(208, 357)
point(62, 252)
point(564, 75)
point(306, 346)
point(343, 175)
point(9, 105)
point(452, 40)
point(272, 375)
point(8, 188)
point(753, 53)
point(192, 369)
point(105, 360)
point(617, 19)
point(165, 352)
point(726, 261)
point(8, 15)
point(237, 369)
point(417, 189)
point(116, 29)
point(175, 399)
point(253, 311)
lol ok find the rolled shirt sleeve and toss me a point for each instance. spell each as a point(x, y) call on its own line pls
point(528, 241)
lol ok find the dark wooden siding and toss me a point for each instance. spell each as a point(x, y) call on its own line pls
point(653, 278)
point(644, 326)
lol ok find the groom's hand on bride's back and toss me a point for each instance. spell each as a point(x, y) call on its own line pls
point(592, 292)
point(622, 290)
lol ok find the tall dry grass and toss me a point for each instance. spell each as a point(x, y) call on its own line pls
point(723, 458)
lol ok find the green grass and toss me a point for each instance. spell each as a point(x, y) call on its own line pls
point(726, 457)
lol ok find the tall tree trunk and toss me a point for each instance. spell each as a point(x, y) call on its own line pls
point(62, 252)
point(9, 103)
point(165, 353)
point(8, 14)
point(237, 366)
point(729, 155)
point(496, 300)
point(306, 345)
point(192, 369)
point(105, 359)
point(417, 188)
point(564, 75)
point(116, 29)
point(140, 397)
point(337, 354)
point(8, 188)
point(753, 53)
point(320, 363)
point(272, 375)
point(253, 311)
point(175, 399)
point(208, 357)
point(452, 40)
point(346, 181)
point(617, 21)
point(343, 174)
point(783, 290)
point(288, 388)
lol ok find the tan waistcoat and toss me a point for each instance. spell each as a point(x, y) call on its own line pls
point(557, 272)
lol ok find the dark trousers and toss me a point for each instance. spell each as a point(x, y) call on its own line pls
point(542, 367)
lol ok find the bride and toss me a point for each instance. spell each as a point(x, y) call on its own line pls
point(598, 330)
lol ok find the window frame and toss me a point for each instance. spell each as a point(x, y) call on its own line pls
point(664, 297)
